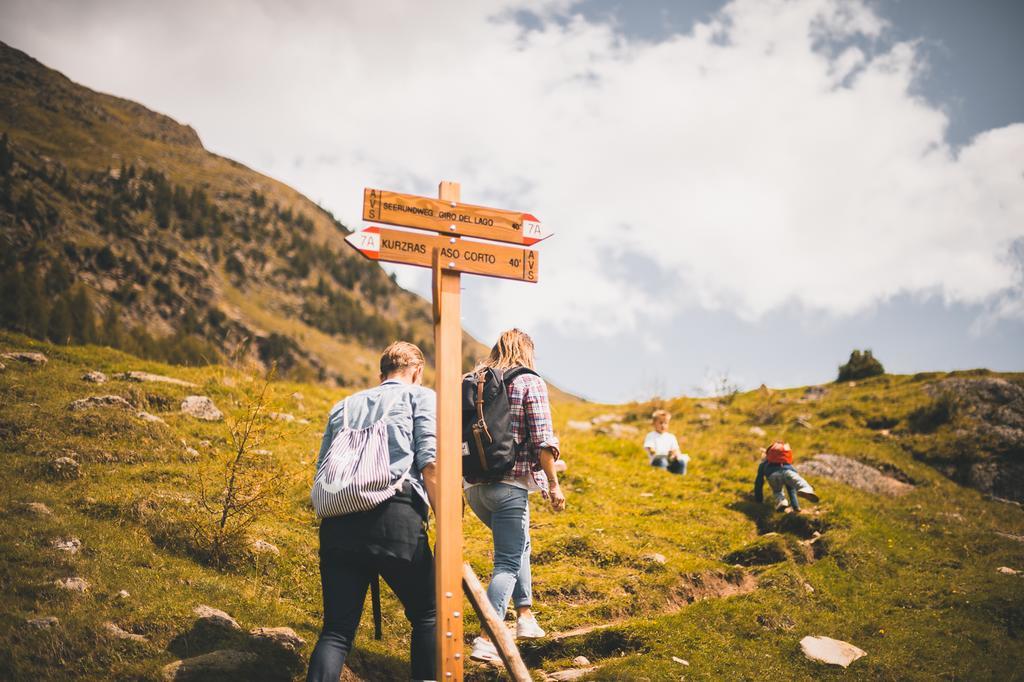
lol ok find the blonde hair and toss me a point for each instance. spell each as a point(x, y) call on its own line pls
point(398, 356)
point(661, 414)
point(514, 348)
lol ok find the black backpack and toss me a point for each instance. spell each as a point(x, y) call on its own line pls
point(488, 450)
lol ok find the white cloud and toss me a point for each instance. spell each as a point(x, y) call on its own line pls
point(774, 156)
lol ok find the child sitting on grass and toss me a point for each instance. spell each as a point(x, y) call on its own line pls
point(662, 446)
point(777, 467)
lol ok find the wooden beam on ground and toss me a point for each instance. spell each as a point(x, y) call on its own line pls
point(500, 635)
point(448, 561)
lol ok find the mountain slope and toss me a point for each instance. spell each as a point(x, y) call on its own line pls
point(117, 226)
point(666, 568)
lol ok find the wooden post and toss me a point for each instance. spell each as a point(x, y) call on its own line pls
point(448, 562)
point(489, 620)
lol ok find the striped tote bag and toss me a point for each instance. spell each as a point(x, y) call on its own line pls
point(355, 475)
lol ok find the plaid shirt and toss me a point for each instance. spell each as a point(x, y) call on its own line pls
point(532, 430)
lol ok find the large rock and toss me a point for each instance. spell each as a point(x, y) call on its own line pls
point(214, 667)
point(36, 509)
point(95, 377)
point(214, 619)
point(264, 547)
point(831, 651)
point(279, 649)
point(64, 469)
point(212, 630)
point(151, 378)
point(43, 622)
point(853, 473)
point(114, 401)
point(201, 407)
point(36, 359)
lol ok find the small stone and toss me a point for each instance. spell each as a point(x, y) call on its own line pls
point(69, 545)
point(646, 494)
point(118, 633)
point(80, 585)
point(680, 661)
point(655, 558)
point(191, 453)
point(123, 594)
point(150, 418)
point(579, 426)
point(37, 359)
point(115, 401)
point(303, 421)
point(581, 661)
point(1006, 570)
point(65, 468)
point(264, 547)
point(803, 421)
point(151, 378)
point(606, 419)
point(95, 377)
point(37, 509)
point(262, 452)
point(831, 651)
point(616, 430)
point(43, 623)
point(201, 407)
point(758, 431)
point(808, 588)
point(281, 417)
point(297, 397)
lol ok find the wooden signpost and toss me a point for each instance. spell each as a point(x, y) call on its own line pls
point(448, 255)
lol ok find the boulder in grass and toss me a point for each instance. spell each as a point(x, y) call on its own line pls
point(95, 377)
point(113, 630)
point(281, 417)
point(64, 468)
point(854, 474)
point(216, 665)
point(75, 584)
point(279, 649)
point(151, 378)
point(264, 547)
point(35, 359)
point(36, 509)
point(830, 651)
point(202, 408)
point(69, 545)
point(114, 401)
point(207, 616)
point(43, 622)
point(150, 418)
point(1006, 570)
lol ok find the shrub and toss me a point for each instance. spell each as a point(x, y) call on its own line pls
point(940, 411)
point(861, 365)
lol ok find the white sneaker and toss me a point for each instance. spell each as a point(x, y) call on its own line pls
point(484, 650)
point(808, 494)
point(527, 628)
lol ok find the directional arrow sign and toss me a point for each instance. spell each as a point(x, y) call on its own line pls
point(449, 217)
point(415, 248)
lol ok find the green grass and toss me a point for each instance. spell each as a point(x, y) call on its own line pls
point(910, 580)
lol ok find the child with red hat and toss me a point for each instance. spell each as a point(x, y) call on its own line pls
point(785, 480)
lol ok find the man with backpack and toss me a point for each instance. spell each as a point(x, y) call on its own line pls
point(375, 476)
point(509, 450)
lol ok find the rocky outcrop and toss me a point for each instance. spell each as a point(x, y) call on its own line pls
point(95, 377)
point(75, 584)
point(34, 359)
point(115, 631)
point(854, 474)
point(114, 401)
point(64, 469)
point(144, 377)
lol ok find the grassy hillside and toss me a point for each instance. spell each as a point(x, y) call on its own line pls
point(117, 226)
point(911, 579)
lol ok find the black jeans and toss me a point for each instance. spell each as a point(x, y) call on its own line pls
point(345, 575)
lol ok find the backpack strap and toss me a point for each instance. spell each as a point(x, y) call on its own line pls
point(511, 374)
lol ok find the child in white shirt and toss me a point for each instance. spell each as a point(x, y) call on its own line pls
point(662, 446)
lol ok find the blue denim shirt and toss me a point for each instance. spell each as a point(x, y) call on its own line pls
point(411, 422)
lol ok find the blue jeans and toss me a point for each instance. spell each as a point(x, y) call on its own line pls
point(676, 467)
point(505, 509)
point(786, 481)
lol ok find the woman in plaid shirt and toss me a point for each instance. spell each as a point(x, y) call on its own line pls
point(504, 506)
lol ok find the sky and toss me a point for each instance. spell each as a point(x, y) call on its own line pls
point(739, 192)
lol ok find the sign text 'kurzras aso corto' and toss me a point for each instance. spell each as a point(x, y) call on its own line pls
point(416, 248)
point(450, 217)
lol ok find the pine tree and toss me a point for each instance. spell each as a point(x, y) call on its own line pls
point(61, 324)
